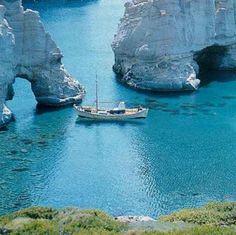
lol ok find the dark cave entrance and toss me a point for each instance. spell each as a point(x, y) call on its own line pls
point(210, 58)
point(209, 61)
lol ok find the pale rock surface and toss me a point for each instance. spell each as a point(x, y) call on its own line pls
point(160, 44)
point(133, 219)
point(28, 51)
point(6, 65)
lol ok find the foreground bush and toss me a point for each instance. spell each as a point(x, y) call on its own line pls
point(203, 230)
point(73, 221)
point(219, 214)
point(47, 221)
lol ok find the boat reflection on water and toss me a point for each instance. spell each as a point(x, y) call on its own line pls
point(91, 122)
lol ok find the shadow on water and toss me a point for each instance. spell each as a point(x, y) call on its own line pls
point(41, 109)
point(89, 122)
point(59, 3)
point(207, 77)
point(3, 129)
point(160, 102)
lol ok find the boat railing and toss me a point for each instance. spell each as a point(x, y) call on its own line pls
point(118, 101)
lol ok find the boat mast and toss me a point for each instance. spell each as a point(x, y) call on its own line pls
point(96, 92)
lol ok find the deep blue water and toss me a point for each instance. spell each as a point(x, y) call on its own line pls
point(183, 155)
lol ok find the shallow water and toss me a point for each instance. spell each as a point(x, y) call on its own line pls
point(183, 155)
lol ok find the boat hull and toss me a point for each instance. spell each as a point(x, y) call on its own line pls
point(112, 117)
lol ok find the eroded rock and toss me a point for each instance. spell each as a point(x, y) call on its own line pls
point(28, 51)
point(160, 44)
point(133, 219)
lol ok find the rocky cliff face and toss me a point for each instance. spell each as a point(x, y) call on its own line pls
point(7, 63)
point(161, 44)
point(27, 51)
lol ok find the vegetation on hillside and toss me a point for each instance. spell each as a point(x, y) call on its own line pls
point(53, 222)
point(213, 219)
point(218, 214)
point(199, 230)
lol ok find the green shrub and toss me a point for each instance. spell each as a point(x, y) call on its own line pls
point(212, 214)
point(38, 227)
point(199, 230)
point(92, 220)
point(40, 221)
point(95, 232)
point(37, 213)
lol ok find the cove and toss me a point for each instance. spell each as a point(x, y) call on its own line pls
point(183, 155)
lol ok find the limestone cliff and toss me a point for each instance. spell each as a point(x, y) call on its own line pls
point(6, 65)
point(161, 44)
point(29, 52)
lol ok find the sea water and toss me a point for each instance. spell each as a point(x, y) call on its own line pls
point(182, 155)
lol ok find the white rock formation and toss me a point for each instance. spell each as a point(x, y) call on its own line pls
point(133, 219)
point(7, 44)
point(160, 44)
point(27, 51)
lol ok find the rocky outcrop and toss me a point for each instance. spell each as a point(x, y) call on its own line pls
point(29, 52)
point(161, 44)
point(134, 219)
point(6, 65)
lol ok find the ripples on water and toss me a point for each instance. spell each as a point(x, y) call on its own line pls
point(182, 155)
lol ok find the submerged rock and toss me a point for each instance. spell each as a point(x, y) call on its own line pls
point(13, 152)
point(24, 151)
point(27, 141)
point(161, 44)
point(28, 51)
point(21, 169)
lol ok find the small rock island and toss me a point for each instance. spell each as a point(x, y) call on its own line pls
point(161, 44)
point(29, 52)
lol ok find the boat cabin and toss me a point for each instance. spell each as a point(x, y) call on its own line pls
point(120, 109)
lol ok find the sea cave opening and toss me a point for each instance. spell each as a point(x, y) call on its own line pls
point(210, 61)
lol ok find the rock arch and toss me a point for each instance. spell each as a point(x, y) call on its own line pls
point(29, 52)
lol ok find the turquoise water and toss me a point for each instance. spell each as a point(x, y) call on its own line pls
point(183, 155)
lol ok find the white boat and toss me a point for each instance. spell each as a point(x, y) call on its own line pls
point(116, 114)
